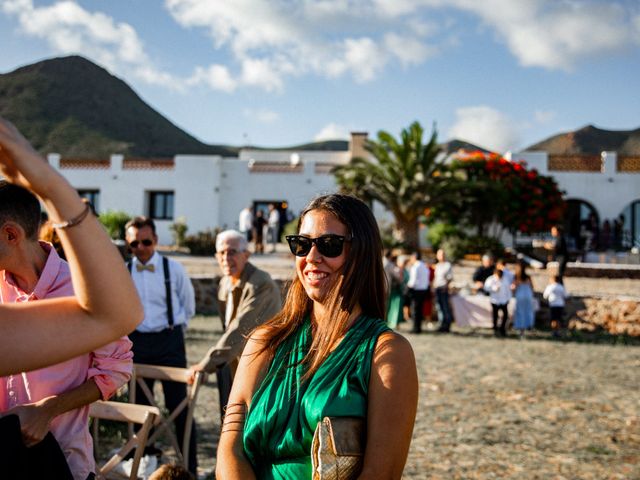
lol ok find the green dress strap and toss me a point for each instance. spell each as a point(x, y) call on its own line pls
point(284, 411)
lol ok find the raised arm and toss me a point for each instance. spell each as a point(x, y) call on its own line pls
point(106, 305)
point(392, 404)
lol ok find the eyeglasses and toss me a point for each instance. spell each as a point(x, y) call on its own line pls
point(329, 245)
point(136, 243)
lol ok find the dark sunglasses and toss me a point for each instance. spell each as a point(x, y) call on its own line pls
point(136, 243)
point(329, 245)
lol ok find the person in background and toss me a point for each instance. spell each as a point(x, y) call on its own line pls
point(54, 398)
point(558, 250)
point(395, 276)
point(404, 262)
point(500, 293)
point(507, 275)
point(259, 223)
point(328, 353)
point(273, 222)
point(484, 271)
point(82, 323)
point(443, 276)
point(245, 223)
point(247, 297)
point(524, 316)
point(556, 295)
point(418, 285)
point(169, 303)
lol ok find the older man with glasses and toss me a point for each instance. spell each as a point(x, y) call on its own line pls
point(169, 302)
point(247, 297)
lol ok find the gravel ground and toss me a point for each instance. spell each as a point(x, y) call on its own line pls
point(494, 408)
point(499, 408)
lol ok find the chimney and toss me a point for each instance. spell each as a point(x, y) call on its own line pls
point(356, 144)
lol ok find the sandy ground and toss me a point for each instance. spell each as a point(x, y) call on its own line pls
point(499, 408)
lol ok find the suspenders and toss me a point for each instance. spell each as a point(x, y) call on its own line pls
point(167, 288)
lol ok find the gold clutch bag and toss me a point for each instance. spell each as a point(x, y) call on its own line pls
point(337, 449)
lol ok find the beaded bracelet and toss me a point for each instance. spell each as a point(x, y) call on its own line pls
point(76, 220)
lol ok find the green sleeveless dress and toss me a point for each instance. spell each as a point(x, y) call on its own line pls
point(284, 413)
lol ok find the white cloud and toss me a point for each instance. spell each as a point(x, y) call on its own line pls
point(408, 50)
point(261, 115)
point(332, 131)
point(217, 77)
point(544, 116)
point(272, 41)
point(486, 127)
point(70, 29)
point(557, 34)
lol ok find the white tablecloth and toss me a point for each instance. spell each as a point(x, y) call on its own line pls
point(476, 311)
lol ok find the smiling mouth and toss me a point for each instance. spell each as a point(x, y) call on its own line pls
point(315, 278)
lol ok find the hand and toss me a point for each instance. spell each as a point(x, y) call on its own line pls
point(35, 421)
point(19, 162)
point(193, 370)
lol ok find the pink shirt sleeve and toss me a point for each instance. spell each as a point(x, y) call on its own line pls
point(111, 366)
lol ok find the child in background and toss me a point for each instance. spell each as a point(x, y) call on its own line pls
point(555, 295)
point(499, 289)
point(171, 472)
point(524, 316)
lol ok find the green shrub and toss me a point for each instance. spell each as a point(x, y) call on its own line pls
point(480, 245)
point(179, 229)
point(290, 228)
point(439, 232)
point(114, 222)
point(202, 243)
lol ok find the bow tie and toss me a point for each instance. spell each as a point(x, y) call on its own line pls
point(141, 267)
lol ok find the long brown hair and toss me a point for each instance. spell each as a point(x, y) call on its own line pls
point(361, 282)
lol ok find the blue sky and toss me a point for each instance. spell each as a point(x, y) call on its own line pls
point(500, 73)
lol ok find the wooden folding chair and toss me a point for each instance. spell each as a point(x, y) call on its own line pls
point(141, 372)
point(144, 415)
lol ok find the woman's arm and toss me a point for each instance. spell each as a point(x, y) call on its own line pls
point(231, 462)
point(106, 305)
point(392, 404)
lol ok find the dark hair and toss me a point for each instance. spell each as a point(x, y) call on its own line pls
point(141, 222)
point(19, 205)
point(521, 272)
point(362, 283)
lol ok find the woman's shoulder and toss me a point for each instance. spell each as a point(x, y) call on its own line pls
point(394, 347)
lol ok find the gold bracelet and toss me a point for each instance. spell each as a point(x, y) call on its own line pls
point(76, 220)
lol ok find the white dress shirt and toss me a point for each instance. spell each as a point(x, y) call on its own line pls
point(499, 289)
point(418, 276)
point(152, 292)
point(555, 294)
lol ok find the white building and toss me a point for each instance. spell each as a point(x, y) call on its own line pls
point(205, 191)
point(605, 185)
point(209, 191)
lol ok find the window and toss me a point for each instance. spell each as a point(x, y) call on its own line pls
point(161, 205)
point(94, 198)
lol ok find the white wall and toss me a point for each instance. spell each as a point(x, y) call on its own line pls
point(609, 191)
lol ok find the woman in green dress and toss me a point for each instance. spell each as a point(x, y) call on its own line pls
point(328, 353)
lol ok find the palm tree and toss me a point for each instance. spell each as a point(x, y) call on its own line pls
point(403, 176)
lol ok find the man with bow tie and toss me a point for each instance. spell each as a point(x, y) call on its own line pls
point(168, 299)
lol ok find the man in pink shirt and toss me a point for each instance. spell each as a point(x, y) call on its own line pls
point(55, 398)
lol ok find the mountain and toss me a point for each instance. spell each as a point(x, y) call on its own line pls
point(73, 107)
point(452, 146)
point(591, 140)
point(324, 146)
